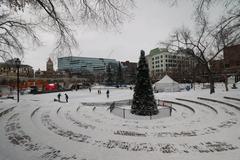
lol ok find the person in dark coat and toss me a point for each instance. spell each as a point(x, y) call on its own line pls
point(107, 93)
point(59, 96)
point(66, 97)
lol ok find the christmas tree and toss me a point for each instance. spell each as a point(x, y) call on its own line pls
point(143, 98)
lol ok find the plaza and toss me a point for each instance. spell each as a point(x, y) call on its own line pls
point(202, 126)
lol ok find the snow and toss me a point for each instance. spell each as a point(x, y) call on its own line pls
point(38, 128)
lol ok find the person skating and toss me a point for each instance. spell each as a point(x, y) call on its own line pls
point(66, 97)
point(107, 93)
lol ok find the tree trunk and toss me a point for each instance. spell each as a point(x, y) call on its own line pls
point(226, 83)
point(194, 77)
point(212, 89)
point(211, 80)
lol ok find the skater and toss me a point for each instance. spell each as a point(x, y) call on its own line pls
point(90, 89)
point(66, 97)
point(59, 96)
point(107, 93)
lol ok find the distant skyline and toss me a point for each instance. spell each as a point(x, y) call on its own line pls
point(152, 21)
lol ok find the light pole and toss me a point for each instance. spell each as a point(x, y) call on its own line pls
point(17, 63)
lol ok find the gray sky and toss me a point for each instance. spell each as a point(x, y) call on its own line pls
point(153, 21)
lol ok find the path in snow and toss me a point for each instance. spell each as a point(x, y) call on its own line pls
point(202, 127)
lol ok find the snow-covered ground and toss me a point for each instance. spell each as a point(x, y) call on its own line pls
point(38, 128)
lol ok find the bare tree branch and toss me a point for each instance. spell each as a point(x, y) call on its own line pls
point(60, 16)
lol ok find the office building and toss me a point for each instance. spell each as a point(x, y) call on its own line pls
point(179, 65)
point(86, 65)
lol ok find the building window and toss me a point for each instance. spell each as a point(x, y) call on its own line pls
point(227, 65)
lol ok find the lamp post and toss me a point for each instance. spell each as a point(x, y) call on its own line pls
point(17, 63)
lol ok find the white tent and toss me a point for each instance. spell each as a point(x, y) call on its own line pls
point(231, 79)
point(166, 84)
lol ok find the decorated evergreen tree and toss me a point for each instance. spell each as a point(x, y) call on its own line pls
point(143, 98)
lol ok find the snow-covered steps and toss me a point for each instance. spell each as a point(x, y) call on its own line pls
point(221, 102)
point(200, 103)
point(232, 98)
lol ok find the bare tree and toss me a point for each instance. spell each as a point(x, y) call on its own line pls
point(58, 16)
point(208, 40)
point(12, 32)
point(205, 45)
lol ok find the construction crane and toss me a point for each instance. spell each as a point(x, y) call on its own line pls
point(110, 53)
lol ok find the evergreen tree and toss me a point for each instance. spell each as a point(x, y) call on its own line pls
point(143, 99)
point(109, 80)
point(119, 79)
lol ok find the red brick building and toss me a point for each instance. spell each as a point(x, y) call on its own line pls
point(129, 71)
point(217, 66)
point(232, 60)
point(232, 56)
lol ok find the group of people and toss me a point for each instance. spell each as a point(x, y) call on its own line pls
point(66, 96)
point(59, 97)
point(100, 92)
point(107, 92)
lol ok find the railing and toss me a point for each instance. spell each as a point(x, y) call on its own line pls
point(165, 111)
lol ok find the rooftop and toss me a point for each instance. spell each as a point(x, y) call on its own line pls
point(157, 51)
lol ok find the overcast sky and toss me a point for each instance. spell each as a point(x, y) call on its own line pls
point(153, 21)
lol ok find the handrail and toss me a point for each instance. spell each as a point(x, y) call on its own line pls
point(221, 102)
point(232, 98)
point(203, 104)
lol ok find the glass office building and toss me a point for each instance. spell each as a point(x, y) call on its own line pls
point(85, 64)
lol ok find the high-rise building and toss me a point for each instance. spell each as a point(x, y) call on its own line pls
point(161, 62)
point(86, 64)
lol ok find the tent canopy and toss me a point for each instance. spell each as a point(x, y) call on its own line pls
point(166, 84)
point(166, 79)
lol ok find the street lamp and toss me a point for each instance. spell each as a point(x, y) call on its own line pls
point(17, 63)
